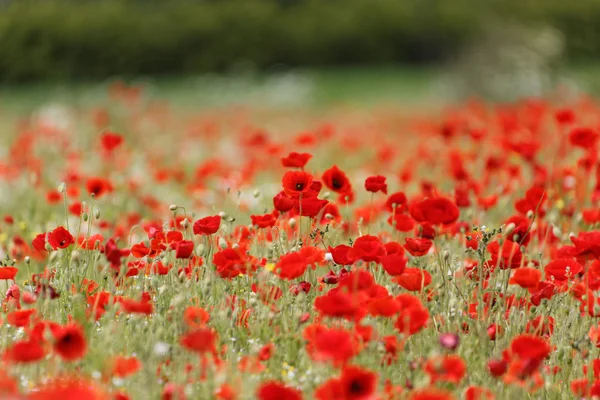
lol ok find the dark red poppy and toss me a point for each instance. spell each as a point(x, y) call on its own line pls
point(358, 383)
point(526, 277)
point(414, 279)
point(229, 263)
point(401, 222)
point(563, 269)
point(295, 183)
point(274, 390)
point(60, 238)
point(507, 256)
point(283, 202)
point(309, 206)
point(341, 254)
point(397, 202)
point(291, 266)
point(438, 210)
point(376, 184)
point(263, 221)
point(98, 186)
point(417, 247)
point(69, 342)
point(393, 264)
point(184, 249)
point(296, 160)
point(583, 137)
point(337, 180)
point(207, 225)
point(367, 248)
point(110, 141)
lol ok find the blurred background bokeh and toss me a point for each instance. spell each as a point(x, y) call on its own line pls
point(286, 51)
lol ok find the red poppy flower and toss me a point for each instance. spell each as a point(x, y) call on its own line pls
point(334, 345)
point(401, 222)
point(310, 206)
point(122, 367)
point(131, 306)
point(509, 256)
point(25, 351)
point(291, 266)
point(263, 221)
point(273, 390)
point(98, 186)
point(376, 184)
point(430, 394)
point(337, 180)
point(438, 210)
point(60, 238)
point(184, 249)
point(341, 254)
point(296, 160)
point(497, 368)
point(398, 202)
point(479, 393)
point(417, 247)
point(526, 277)
point(207, 225)
point(338, 304)
point(394, 264)
point(8, 273)
point(413, 315)
point(367, 248)
point(20, 318)
point(384, 306)
point(69, 342)
point(68, 388)
point(541, 326)
point(110, 141)
point(563, 269)
point(200, 340)
point(414, 279)
point(358, 383)
point(296, 183)
point(283, 202)
point(195, 317)
point(583, 137)
point(229, 263)
point(530, 348)
point(447, 368)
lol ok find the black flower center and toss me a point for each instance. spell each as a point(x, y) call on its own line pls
point(356, 387)
point(299, 186)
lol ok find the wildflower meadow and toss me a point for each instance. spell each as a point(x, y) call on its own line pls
point(160, 251)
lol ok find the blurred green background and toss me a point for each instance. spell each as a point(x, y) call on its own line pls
point(495, 48)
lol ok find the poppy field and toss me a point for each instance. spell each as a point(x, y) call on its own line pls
point(159, 252)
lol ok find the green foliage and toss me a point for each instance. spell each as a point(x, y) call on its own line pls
point(62, 39)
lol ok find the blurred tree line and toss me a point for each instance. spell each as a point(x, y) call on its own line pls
point(91, 39)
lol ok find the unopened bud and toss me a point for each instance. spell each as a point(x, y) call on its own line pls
point(85, 216)
point(530, 214)
point(256, 193)
point(173, 207)
point(185, 223)
point(222, 243)
point(27, 260)
point(62, 187)
point(510, 229)
point(97, 213)
point(292, 222)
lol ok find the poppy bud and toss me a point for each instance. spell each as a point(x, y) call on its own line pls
point(62, 187)
point(97, 213)
point(185, 223)
point(27, 260)
point(256, 193)
point(222, 243)
point(173, 207)
point(292, 222)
